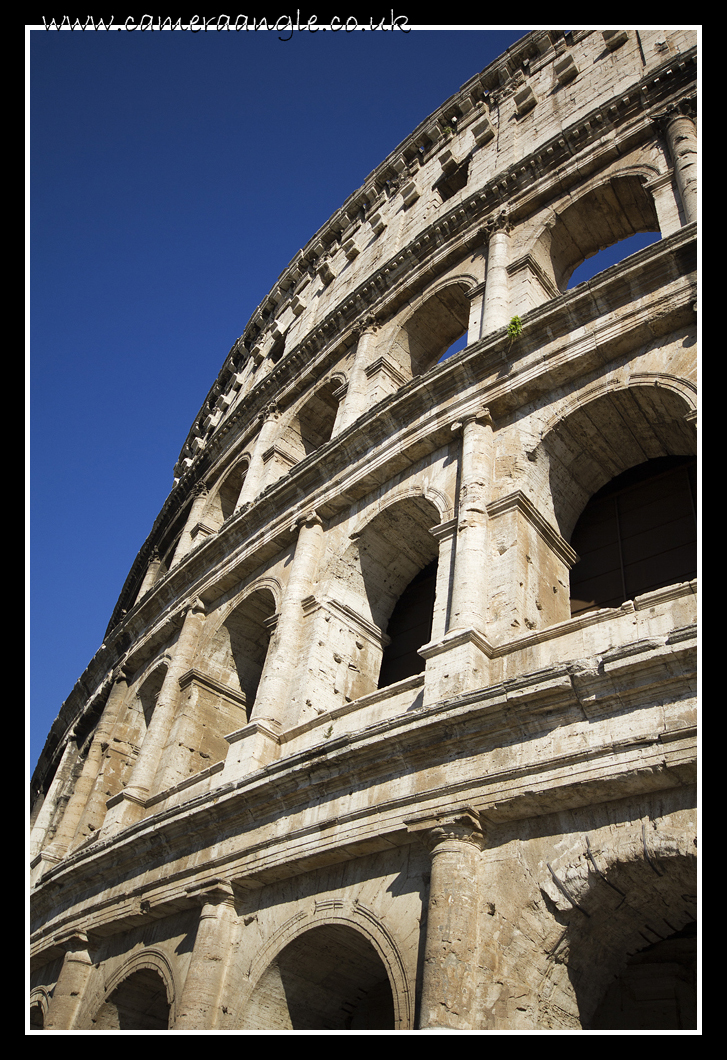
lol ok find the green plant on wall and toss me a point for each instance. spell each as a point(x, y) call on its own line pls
point(514, 329)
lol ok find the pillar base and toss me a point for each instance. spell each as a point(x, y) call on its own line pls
point(251, 748)
point(460, 662)
point(123, 809)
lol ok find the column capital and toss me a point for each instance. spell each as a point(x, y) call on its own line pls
point(366, 324)
point(215, 893)
point(459, 826)
point(75, 942)
point(683, 108)
point(479, 415)
point(308, 519)
point(194, 606)
point(499, 222)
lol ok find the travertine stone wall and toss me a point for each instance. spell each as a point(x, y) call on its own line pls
point(240, 822)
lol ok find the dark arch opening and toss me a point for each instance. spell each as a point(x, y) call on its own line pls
point(330, 978)
point(139, 1003)
point(410, 626)
point(315, 422)
point(657, 990)
point(636, 534)
point(236, 655)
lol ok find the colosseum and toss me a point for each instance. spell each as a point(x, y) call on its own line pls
point(393, 725)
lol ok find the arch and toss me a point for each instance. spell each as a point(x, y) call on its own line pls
point(431, 326)
point(223, 501)
point(600, 897)
point(39, 1002)
point(638, 533)
point(139, 996)
point(605, 431)
point(601, 214)
point(386, 553)
point(437, 498)
point(336, 968)
point(149, 689)
point(169, 543)
point(657, 990)
point(235, 652)
point(313, 424)
point(625, 895)
point(409, 627)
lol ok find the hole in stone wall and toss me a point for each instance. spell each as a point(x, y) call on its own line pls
point(451, 183)
point(138, 1004)
point(330, 978)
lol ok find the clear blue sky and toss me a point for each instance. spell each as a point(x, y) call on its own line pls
point(173, 176)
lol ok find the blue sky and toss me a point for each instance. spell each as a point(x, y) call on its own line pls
point(172, 178)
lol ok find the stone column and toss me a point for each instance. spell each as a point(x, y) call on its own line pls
point(460, 660)
point(42, 821)
point(71, 986)
point(449, 974)
point(186, 541)
point(356, 401)
point(254, 477)
point(151, 576)
point(496, 312)
point(198, 1008)
point(681, 135)
point(272, 702)
point(71, 830)
point(469, 590)
point(128, 805)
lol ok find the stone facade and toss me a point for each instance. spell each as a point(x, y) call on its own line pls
point(393, 726)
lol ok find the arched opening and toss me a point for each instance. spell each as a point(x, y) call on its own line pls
point(123, 750)
point(146, 698)
point(139, 1003)
point(657, 990)
point(457, 346)
point(329, 978)
point(427, 335)
point(410, 626)
point(604, 437)
point(618, 217)
point(224, 502)
point(169, 543)
point(235, 656)
point(392, 552)
point(312, 426)
point(636, 534)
